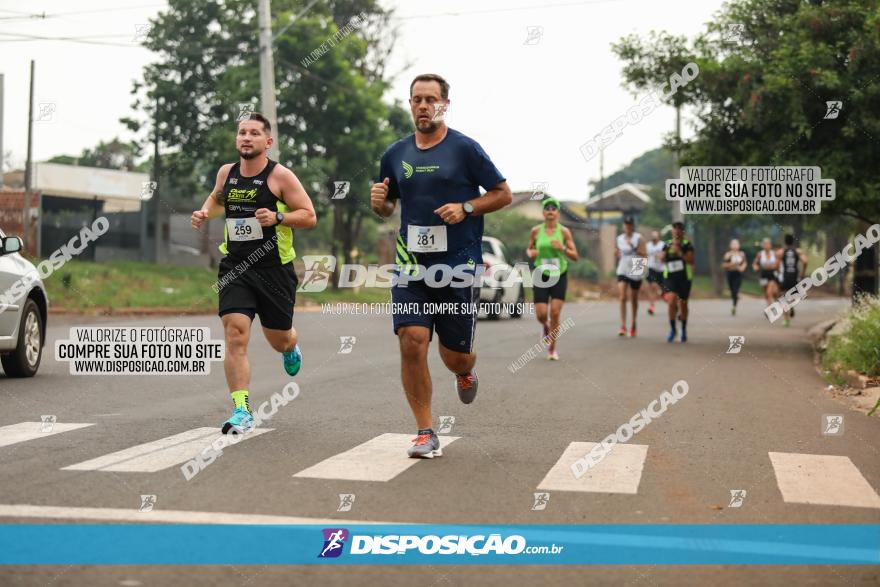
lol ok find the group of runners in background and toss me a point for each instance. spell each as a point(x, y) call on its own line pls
point(666, 265)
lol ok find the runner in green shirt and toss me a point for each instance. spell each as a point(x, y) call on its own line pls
point(552, 246)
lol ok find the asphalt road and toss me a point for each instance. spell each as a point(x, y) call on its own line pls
point(740, 407)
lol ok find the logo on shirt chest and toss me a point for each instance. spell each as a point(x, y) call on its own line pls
point(408, 169)
point(240, 195)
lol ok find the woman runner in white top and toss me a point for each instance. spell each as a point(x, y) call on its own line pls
point(655, 270)
point(631, 266)
point(766, 263)
point(735, 262)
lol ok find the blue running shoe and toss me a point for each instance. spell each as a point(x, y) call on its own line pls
point(671, 336)
point(293, 361)
point(684, 335)
point(241, 422)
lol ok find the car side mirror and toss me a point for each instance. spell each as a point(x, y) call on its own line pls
point(10, 244)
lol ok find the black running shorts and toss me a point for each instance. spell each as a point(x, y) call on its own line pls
point(634, 284)
point(555, 291)
point(679, 284)
point(655, 276)
point(267, 291)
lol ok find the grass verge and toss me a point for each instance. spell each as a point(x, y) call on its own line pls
point(120, 286)
point(858, 346)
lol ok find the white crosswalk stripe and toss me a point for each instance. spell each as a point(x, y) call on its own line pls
point(381, 459)
point(801, 478)
point(24, 431)
point(159, 454)
point(822, 480)
point(619, 472)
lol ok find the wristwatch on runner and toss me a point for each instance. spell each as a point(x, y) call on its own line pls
point(468, 208)
point(279, 217)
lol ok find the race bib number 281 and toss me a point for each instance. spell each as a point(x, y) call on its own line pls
point(426, 239)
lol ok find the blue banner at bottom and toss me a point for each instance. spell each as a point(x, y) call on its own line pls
point(174, 544)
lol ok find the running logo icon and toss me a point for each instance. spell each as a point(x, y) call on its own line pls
point(533, 35)
point(245, 109)
point(407, 170)
point(736, 344)
point(147, 503)
point(334, 541)
point(440, 112)
point(638, 266)
point(147, 189)
point(737, 496)
point(832, 425)
point(319, 268)
point(539, 190)
point(346, 500)
point(47, 109)
point(141, 32)
point(541, 501)
point(734, 32)
point(346, 344)
point(446, 424)
point(833, 108)
point(47, 422)
point(340, 189)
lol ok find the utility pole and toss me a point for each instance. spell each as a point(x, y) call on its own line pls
point(29, 164)
point(154, 200)
point(1, 130)
point(267, 73)
point(601, 170)
point(676, 209)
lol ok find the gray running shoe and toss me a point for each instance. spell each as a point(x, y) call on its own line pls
point(425, 446)
point(466, 386)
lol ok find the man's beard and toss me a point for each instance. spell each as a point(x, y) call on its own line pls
point(253, 154)
point(428, 127)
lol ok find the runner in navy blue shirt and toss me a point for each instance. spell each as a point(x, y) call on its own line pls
point(436, 174)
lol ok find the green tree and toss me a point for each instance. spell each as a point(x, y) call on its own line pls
point(333, 124)
point(760, 97)
point(114, 154)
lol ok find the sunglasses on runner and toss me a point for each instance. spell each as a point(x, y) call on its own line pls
point(551, 207)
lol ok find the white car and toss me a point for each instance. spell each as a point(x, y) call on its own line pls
point(501, 292)
point(24, 308)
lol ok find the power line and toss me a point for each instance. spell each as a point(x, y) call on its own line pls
point(89, 40)
point(27, 16)
point(117, 9)
point(7, 11)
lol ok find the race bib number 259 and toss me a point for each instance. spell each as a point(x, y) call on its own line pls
point(244, 229)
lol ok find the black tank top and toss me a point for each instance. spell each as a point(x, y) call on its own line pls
point(245, 239)
point(790, 262)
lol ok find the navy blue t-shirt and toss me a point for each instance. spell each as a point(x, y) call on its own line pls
point(425, 179)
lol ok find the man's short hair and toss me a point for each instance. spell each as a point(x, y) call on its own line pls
point(432, 77)
point(678, 225)
point(267, 126)
point(789, 239)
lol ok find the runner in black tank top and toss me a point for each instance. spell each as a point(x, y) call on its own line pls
point(794, 267)
point(262, 202)
point(244, 237)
